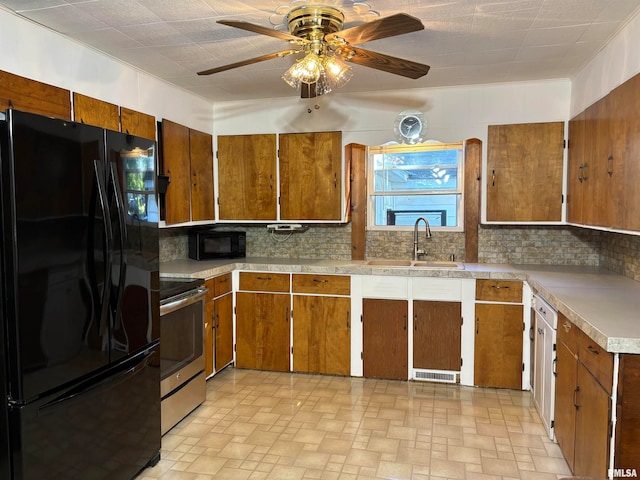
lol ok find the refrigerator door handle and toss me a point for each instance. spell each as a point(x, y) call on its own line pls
point(121, 215)
point(106, 219)
point(121, 373)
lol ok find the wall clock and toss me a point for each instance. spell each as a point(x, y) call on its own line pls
point(410, 127)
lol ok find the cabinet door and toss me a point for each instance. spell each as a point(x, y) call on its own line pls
point(201, 162)
point(624, 168)
point(592, 427)
point(247, 177)
point(385, 340)
point(322, 335)
point(137, 124)
point(311, 176)
point(31, 96)
point(596, 199)
point(565, 410)
point(437, 335)
point(575, 175)
point(524, 172)
point(95, 112)
point(223, 331)
point(175, 156)
point(262, 331)
point(209, 332)
point(498, 346)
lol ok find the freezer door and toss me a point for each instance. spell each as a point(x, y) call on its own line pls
point(131, 193)
point(55, 253)
point(105, 428)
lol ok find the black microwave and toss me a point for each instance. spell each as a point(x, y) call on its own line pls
point(209, 245)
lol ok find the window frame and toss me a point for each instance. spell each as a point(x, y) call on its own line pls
point(422, 147)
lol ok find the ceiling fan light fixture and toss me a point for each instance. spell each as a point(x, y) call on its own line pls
point(305, 70)
point(339, 73)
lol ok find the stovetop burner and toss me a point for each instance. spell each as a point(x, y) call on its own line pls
point(172, 286)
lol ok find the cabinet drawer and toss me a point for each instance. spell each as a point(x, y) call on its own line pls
point(222, 284)
point(499, 290)
point(568, 334)
point(264, 281)
point(328, 284)
point(598, 361)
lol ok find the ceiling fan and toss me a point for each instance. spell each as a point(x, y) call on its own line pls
point(316, 31)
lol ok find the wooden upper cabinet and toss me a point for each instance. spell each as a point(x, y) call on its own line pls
point(624, 167)
point(35, 97)
point(524, 172)
point(137, 124)
point(575, 175)
point(188, 161)
point(95, 112)
point(247, 177)
point(175, 156)
point(202, 188)
point(596, 200)
point(310, 176)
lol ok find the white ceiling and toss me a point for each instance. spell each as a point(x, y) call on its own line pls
point(464, 41)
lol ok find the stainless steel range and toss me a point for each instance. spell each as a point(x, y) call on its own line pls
point(182, 377)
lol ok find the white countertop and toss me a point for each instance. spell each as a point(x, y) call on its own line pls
point(605, 305)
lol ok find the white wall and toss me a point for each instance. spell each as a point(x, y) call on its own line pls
point(37, 53)
point(453, 113)
point(618, 61)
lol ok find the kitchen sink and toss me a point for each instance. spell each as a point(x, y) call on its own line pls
point(436, 264)
point(389, 263)
point(426, 264)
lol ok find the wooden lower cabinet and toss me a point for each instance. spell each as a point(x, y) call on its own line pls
point(582, 403)
point(262, 331)
point(223, 330)
point(498, 345)
point(593, 414)
point(565, 411)
point(385, 347)
point(437, 335)
point(322, 334)
point(627, 446)
point(209, 343)
point(218, 326)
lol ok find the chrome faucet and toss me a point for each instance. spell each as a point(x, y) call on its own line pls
point(417, 252)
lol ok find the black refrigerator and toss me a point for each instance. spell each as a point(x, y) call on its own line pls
point(80, 395)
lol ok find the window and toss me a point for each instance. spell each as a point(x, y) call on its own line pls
point(407, 182)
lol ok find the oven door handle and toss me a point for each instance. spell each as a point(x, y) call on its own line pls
point(195, 297)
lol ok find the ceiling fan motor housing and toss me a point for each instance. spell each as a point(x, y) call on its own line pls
point(314, 22)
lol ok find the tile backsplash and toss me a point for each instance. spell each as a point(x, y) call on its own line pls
point(558, 245)
point(621, 253)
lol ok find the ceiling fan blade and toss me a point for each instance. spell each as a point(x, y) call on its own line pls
point(391, 26)
point(387, 63)
point(252, 27)
point(249, 61)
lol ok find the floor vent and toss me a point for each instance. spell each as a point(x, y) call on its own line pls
point(442, 376)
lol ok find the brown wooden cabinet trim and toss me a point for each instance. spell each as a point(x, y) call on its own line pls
point(472, 169)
